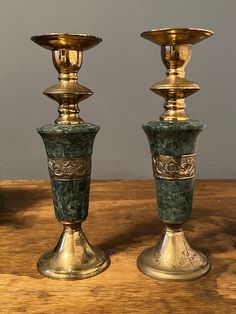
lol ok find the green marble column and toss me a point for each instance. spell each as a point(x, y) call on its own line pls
point(173, 139)
point(67, 146)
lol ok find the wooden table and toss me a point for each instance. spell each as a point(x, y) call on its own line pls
point(123, 221)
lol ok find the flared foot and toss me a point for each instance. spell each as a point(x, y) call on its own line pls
point(173, 259)
point(73, 258)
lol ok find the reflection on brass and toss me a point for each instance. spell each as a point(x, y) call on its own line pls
point(173, 258)
point(73, 257)
point(67, 55)
point(174, 167)
point(176, 47)
point(64, 169)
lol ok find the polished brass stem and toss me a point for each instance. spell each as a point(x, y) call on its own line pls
point(176, 48)
point(67, 56)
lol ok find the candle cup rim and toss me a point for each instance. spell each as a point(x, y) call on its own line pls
point(163, 36)
point(72, 41)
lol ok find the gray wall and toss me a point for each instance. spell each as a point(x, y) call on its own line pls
point(120, 72)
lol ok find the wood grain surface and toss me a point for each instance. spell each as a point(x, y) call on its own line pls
point(123, 221)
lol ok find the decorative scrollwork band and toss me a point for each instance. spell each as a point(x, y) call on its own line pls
point(66, 169)
point(174, 167)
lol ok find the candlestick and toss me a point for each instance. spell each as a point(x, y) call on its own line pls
point(173, 144)
point(69, 145)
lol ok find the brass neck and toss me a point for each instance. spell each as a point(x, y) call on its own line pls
point(175, 87)
point(72, 226)
point(173, 227)
point(68, 92)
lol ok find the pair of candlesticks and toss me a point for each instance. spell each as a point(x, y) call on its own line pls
point(173, 141)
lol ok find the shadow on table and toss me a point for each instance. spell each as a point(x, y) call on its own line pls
point(133, 236)
point(17, 201)
point(204, 232)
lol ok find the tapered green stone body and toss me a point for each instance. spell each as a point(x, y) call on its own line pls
point(70, 197)
point(173, 139)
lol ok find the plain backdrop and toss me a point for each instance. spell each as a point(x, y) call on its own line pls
point(119, 71)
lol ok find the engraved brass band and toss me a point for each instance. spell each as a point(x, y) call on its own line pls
point(174, 167)
point(66, 169)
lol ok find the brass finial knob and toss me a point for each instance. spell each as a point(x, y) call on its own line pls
point(176, 47)
point(67, 54)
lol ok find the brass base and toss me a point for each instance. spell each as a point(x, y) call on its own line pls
point(173, 259)
point(73, 257)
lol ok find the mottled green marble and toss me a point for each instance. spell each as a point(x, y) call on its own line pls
point(68, 140)
point(70, 198)
point(174, 199)
point(174, 138)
